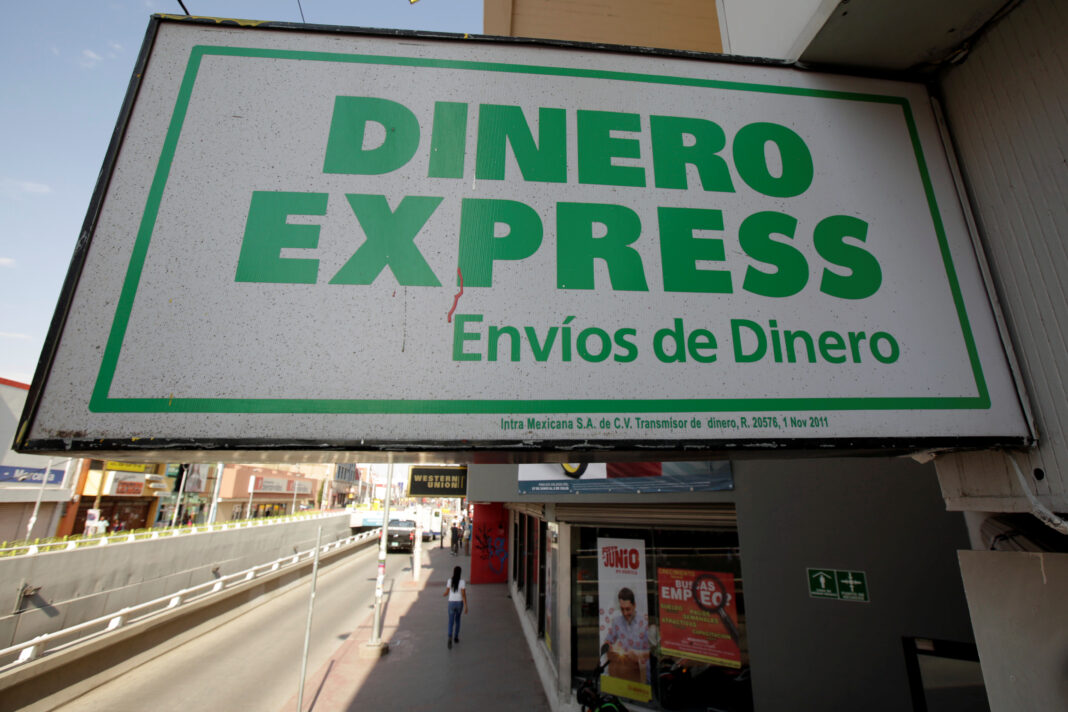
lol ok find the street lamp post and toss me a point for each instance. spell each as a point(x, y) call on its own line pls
point(181, 490)
point(40, 495)
point(251, 489)
point(214, 510)
point(376, 633)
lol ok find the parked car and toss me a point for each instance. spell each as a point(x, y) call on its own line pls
point(400, 535)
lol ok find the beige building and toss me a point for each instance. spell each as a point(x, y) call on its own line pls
point(265, 490)
point(673, 24)
point(997, 79)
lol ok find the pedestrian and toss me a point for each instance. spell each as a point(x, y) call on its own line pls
point(454, 536)
point(467, 538)
point(456, 592)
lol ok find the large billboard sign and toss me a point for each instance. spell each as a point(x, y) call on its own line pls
point(312, 238)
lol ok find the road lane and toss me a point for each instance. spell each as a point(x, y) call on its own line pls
point(253, 661)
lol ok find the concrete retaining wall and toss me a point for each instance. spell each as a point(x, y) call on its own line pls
point(82, 584)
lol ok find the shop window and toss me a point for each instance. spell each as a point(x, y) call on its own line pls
point(121, 514)
point(540, 571)
point(518, 568)
point(670, 604)
point(530, 555)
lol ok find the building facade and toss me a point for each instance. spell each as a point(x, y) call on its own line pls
point(126, 496)
point(30, 503)
point(270, 490)
point(963, 553)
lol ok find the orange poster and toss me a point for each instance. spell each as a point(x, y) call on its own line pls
point(698, 616)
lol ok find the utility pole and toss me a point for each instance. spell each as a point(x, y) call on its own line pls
point(214, 510)
point(251, 489)
point(40, 494)
point(100, 485)
point(181, 489)
point(376, 646)
point(307, 628)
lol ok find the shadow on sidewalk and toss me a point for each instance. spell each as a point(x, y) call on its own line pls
point(489, 668)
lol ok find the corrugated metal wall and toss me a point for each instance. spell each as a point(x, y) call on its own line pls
point(1007, 107)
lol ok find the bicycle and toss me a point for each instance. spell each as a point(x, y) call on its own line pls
point(589, 693)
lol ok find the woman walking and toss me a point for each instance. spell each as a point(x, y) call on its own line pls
point(456, 591)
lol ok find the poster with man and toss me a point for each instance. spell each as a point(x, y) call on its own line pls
point(623, 605)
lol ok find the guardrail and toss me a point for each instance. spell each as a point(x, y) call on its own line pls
point(50, 643)
point(78, 541)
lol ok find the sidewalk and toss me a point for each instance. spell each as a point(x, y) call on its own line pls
point(490, 668)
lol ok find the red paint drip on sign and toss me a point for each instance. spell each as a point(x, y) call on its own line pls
point(459, 294)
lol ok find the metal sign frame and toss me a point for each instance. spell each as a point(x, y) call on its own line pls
point(504, 447)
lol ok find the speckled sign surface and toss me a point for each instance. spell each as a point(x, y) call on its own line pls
point(344, 238)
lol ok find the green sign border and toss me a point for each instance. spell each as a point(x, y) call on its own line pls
point(102, 402)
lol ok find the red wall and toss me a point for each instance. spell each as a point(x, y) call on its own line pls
point(489, 544)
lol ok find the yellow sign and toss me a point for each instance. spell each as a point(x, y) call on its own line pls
point(130, 466)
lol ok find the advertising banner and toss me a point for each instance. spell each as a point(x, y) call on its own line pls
point(624, 477)
point(281, 484)
point(437, 481)
point(538, 246)
point(270, 484)
point(623, 609)
point(299, 486)
point(125, 483)
point(699, 616)
point(196, 478)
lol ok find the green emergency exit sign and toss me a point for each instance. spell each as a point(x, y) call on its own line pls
point(837, 584)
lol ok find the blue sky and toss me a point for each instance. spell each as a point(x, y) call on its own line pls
point(64, 68)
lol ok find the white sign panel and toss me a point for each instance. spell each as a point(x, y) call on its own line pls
point(312, 237)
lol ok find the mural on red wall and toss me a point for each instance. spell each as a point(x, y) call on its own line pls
point(489, 555)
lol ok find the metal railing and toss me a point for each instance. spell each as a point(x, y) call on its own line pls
point(60, 640)
point(78, 541)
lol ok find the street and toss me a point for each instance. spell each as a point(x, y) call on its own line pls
point(253, 662)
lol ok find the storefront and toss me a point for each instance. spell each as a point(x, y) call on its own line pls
point(704, 598)
point(188, 498)
point(127, 495)
point(122, 514)
point(667, 647)
point(256, 491)
point(819, 284)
